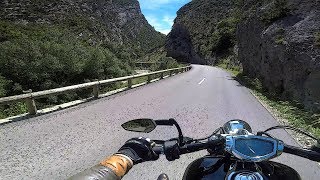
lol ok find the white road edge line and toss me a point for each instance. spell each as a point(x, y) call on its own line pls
point(202, 81)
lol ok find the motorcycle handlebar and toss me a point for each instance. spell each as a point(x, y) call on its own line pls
point(174, 147)
point(193, 147)
point(158, 149)
point(189, 148)
point(173, 151)
point(309, 154)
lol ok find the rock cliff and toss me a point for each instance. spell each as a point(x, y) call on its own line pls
point(279, 43)
point(195, 35)
point(112, 22)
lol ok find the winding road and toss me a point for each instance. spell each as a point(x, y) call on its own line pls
point(60, 144)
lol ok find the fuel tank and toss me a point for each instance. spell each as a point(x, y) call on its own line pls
point(221, 168)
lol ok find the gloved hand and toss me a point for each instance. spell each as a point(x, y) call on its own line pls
point(139, 150)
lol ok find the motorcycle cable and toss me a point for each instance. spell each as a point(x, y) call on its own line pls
point(201, 139)
point(294, 129)
point(260, 133)
point(312, 153)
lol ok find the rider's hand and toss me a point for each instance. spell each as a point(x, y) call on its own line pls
point(139, 150)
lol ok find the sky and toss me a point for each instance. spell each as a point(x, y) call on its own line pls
point(161, 13)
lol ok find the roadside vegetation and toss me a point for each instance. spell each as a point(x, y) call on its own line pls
point(41, 57)
point(290, 113)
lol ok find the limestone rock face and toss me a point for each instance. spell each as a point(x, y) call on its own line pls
point(179, 45)
point(105, 21)
point(283, 50)
point(192, 36)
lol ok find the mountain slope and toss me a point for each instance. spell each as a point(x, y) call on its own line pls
point(199, 33)
point(46, 44)
point(103, 21)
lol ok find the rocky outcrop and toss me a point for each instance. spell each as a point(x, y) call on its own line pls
point(101, 21)
point(179, 46)
point(277, 43)
point(194, 34)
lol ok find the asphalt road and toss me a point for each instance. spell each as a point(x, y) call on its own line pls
point(60, 144)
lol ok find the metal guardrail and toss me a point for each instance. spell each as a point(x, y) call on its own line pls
point(30, 97)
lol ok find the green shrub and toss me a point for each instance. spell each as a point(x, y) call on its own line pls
point(3, 86)
point(12, 109)
point(41, 57)
point(231, 64)
point(224, 37)
point(280, 40)
point(278, 9)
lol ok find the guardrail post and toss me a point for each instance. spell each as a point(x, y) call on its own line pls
point(96, 91)
point(149, 78)
point(170, 73)
point(31, 104)
point(130, 83)
point(161, 75)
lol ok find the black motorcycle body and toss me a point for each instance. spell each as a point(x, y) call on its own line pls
point(235, 153)
point(221, 168)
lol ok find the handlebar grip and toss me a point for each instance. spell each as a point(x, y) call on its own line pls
point(158, 149)
point(309, 154)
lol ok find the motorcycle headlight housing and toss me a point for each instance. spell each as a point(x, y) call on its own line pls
point(253, 148)
point(237, 126)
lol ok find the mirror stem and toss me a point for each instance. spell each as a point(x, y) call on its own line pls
point(172, 122)
point(175, 123)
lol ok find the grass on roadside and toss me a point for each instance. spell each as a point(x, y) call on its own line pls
point(292, 112)
point(230, 67)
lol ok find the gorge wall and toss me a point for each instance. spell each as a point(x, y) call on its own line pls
point(277, 41)
point(196, 33)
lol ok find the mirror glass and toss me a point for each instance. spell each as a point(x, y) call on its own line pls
point(236, 126)
point(140, 125)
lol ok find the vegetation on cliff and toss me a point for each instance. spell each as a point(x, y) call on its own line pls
point(274, 43)
point(50, 44)
point(210, 28)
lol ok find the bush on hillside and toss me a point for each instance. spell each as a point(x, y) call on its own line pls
point(41, 57)
point(224, 37)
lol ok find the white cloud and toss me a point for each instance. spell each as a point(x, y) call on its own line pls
point(165, 31)
point(168, 19)
point(154, 4)
point(154, 22)
point(161, 13)
point(162, 25)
